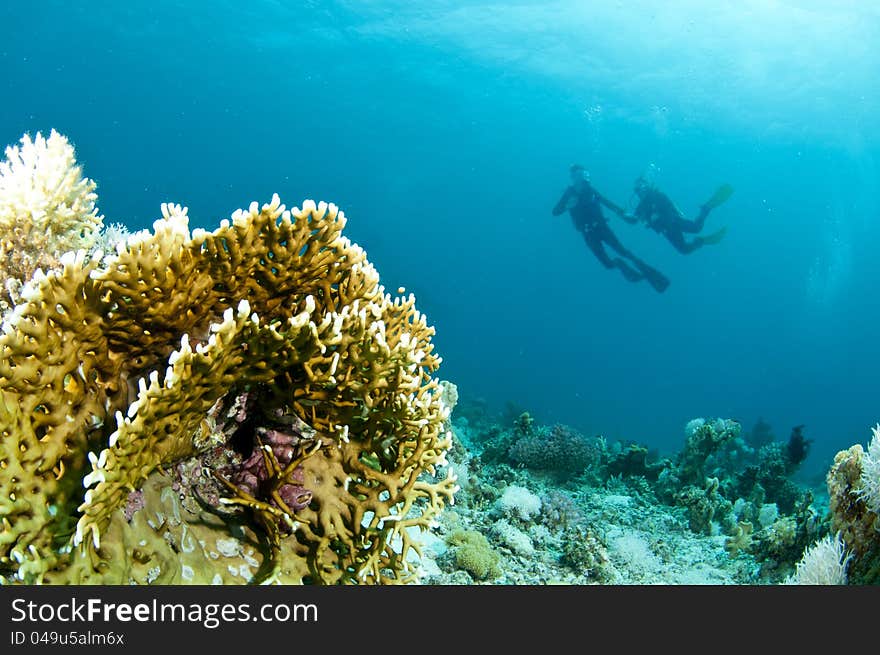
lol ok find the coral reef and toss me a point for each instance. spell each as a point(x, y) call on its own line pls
point(851, 516)
point(823, 563)
point(703, 439)
point(557, 450)
point(265, 353)
point(632, 461)
point(47, 208)
point(630, 512)
point(740, 539)
point(706, 506)
point(560, 449)
point(519, 503)
point(474, 554)
point(248, 405)
point(797, 449)
point(584, 552)
point(582, 535)
point(869, 481)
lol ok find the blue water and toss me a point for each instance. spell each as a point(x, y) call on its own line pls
point(445, 131)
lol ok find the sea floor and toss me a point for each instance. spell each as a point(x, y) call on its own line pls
point(515, 526)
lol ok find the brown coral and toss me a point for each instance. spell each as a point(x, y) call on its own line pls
point(857, 525)
point(274, 300)
point(740, 540)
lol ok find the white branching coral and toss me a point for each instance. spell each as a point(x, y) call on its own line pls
point(823, 563)
point(47, 208)
point(869, 482)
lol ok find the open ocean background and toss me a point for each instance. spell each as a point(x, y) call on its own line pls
point(445, 130)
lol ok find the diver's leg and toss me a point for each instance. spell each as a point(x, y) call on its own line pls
point(700, 220)
point(628, 271)
point(594, 243)
point(691, 227)
point(611, 239)
point(644, 272)
point(676, 238)
point(594, 240)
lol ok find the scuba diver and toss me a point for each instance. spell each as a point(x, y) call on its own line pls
point(658, 212)
point(583, 203)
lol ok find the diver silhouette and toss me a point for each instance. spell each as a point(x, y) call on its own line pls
point(584, 204)
point(658, 212)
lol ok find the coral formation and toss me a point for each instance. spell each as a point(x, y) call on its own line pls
point(823, 563)
point(851, 517)
point(474, 554)
point(583, 551)
point(740, 540)
point(248, 405)
point(557, 450)
point(797, 448)
point(869, 481)
point(519, 503)
point(47, 208)
point(560, 449)
point(718, 486)
point(703, 439)
point(584, 535)
point(706, 506)
point(268, 352)
point(632, 461)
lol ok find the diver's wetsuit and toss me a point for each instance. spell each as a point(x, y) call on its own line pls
point(661, 215)
point(587, 217)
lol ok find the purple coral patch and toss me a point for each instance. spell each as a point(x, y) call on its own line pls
point(252, 475)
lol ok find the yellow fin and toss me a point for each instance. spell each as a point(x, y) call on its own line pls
point(715, 237)
point(719, 197)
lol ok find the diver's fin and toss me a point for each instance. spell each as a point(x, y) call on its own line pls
point(628, 271)
point(719, 197)
point(715, 237)
point(654, 277)
point(657, 280)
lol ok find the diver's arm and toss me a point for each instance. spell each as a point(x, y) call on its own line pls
point(642, 212)
point(562, 205)
point(617, 209)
